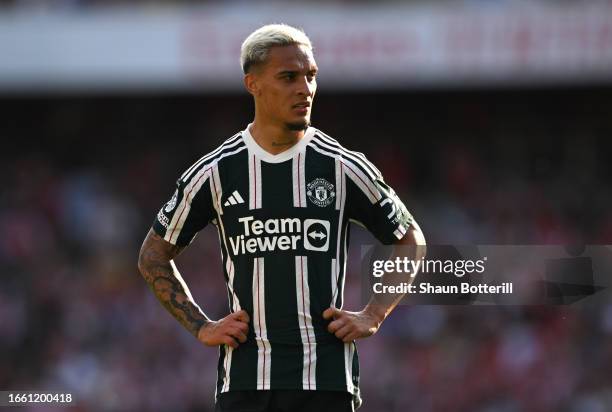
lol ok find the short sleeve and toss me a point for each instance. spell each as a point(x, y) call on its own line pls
point(375, 205)
point(187, 212)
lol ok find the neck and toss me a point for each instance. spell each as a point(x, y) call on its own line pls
point(274, 138)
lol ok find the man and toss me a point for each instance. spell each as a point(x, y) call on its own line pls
point(281, 194)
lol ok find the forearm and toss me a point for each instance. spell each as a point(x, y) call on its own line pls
point(379, 307)
point(166, 282)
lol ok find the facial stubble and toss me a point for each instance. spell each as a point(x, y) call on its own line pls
point(298, 126)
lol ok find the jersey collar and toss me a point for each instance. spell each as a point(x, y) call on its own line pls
point(282, 156)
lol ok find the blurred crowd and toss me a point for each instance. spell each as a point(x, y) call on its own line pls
point(58, 5)
point(84, 179)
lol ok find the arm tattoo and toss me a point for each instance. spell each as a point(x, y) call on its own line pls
point(167, 284)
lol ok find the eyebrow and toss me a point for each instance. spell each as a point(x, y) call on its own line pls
point(285, 72)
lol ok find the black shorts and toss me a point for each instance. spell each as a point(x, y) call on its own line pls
point(284, 401)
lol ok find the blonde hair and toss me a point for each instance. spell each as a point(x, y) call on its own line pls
point(256, 46)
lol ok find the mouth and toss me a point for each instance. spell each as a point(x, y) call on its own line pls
point(302, 107)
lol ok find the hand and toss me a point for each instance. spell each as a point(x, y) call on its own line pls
point(228, 331)
point(349, 326)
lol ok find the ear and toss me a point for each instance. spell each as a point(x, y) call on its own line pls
point(251, 83)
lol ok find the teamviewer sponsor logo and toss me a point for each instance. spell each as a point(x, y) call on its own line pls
point(280, 234)
point(316, 235)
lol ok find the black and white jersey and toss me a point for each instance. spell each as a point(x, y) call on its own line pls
point(283, 223)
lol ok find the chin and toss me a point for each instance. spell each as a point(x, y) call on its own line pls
point(298, 125)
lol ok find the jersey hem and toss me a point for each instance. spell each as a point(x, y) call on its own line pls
point(238, 387)
point(356, 393)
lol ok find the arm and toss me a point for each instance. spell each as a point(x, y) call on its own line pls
point(157, 267)
point(349, 326)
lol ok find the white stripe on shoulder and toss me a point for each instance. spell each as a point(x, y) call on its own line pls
point(347, 155)
point(216, 188)
point(355, 173)
point(229, 143)
point(182, 211)
point(359, 154)
point(356, 156)
point(223, 155)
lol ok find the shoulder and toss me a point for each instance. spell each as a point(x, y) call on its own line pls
point(352, 159)
point(229, 147)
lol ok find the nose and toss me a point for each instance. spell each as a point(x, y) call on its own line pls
point(307, 87)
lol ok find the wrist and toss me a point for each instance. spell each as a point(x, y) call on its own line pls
point(377, 312)
point(206, 324)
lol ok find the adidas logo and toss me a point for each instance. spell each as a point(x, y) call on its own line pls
point(234, 199)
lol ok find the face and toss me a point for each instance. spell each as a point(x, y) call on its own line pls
point(284, 86)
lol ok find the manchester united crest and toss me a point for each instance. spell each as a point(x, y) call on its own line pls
point(171, 203)
point(320, 192)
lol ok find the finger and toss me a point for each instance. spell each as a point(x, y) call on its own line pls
point(351, 337)
point(238, 334)
point(343, 331)
point(242, 315)
point(330, 313)
point(335, 325)
point(243, 326)
point(228, 340)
